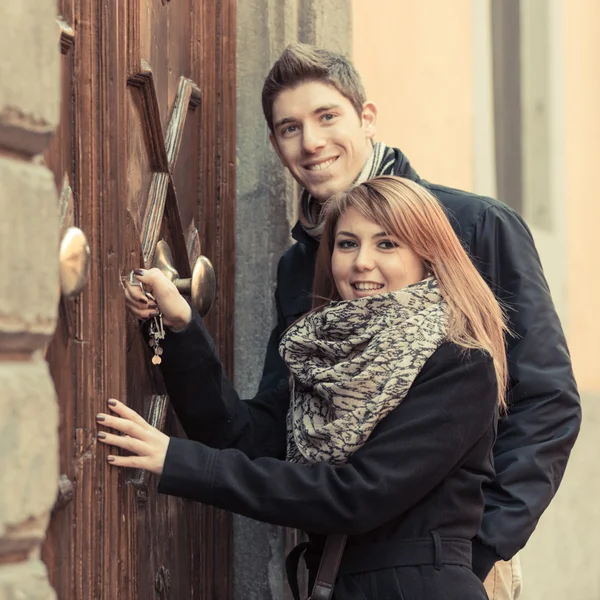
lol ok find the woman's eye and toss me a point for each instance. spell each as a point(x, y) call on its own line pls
point(346, 244)
point(388, 245)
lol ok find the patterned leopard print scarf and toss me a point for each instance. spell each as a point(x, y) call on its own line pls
point(353, 362)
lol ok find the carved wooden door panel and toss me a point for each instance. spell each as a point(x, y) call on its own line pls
point(145, 152)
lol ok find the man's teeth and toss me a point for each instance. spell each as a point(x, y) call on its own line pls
point(321, 166)
point(365, 287)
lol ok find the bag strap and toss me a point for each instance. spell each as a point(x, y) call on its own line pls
point(328, 567)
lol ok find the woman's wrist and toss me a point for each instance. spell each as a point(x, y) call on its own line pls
point(181, 322)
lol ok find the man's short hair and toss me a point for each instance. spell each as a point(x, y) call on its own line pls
point(300, 63)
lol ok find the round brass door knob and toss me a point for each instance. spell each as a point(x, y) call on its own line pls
point(74, 257)
point(201, 286)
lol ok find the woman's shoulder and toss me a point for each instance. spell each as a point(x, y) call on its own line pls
point(450, 356)
point(453, 376)
point(451, 352)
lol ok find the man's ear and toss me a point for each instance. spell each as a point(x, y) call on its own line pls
point(275, 146)
point(369, 118)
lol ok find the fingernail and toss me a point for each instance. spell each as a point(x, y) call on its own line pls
point(100, 417)
point(143, 300)
point(153, 306)
point(110, 459)
point(138, 271)
point(101, 435)
point(112, 402)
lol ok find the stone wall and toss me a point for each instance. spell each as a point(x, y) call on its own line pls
point(29, 295)
point(265, 214)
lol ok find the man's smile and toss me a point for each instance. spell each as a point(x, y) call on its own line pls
point(321, 165)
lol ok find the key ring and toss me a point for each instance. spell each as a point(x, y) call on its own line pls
point(136, 282)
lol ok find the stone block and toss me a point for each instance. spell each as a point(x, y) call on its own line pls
point(29, 245)
point(30, 88)
point(25, 581)
point(28, 454)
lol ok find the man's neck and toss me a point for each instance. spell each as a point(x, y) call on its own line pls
point(364, 172)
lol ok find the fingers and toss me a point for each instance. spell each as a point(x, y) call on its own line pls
point(128, 413)
point(175, 310)
point(125, 426)
point(138, 304)
point(140, 438)
point(151, 277)
point(132, 462)
point(124, 442)
point(135, 293)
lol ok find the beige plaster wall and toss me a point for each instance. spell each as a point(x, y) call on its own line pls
point(581, 26)
point(419, 62)
point(560, 561)
point(416, 62)
point(424, 63)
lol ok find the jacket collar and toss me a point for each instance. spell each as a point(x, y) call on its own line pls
point(402, 168)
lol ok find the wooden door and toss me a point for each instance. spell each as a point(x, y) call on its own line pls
point(145, 151)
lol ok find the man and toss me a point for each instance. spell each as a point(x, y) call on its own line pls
point(322, 128)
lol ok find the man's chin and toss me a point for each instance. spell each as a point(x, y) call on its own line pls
point(324, 192)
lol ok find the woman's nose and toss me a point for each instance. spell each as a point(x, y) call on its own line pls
point(364, 261)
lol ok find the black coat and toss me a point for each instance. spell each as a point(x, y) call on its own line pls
point(416, 480)
point(535, 440)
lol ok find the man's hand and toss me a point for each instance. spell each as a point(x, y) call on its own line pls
point(141, 439)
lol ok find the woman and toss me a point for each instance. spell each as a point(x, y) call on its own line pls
point(387, 426)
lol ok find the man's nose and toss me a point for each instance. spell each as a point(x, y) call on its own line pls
point(312, 139)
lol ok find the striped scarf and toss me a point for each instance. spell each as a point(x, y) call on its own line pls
point(381, 162)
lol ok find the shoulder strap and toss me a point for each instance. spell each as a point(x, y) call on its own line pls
point(328, 567)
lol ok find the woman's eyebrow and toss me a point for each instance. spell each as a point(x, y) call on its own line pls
point(350, 234)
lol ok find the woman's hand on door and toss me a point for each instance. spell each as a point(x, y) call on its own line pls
point(158, 294)
point(147, 444)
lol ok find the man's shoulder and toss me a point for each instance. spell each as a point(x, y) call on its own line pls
point(297, 256)
point(465, 209)
point(295, 278)
point(456, 199)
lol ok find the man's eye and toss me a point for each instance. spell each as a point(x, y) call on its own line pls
point(328, 117)
point(289, 129)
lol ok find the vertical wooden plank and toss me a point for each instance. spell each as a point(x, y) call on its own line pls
point(226, 195)
point(226, 274)
point(224, 214)
point(119, 558)
point(88, 530)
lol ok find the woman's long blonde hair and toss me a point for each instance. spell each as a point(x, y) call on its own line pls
point(409, 212)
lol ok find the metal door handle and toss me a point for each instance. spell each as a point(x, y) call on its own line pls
point(201, 286)
point(74, 262)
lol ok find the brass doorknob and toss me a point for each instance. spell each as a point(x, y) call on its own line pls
point(74, 257)
point(201, 286)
